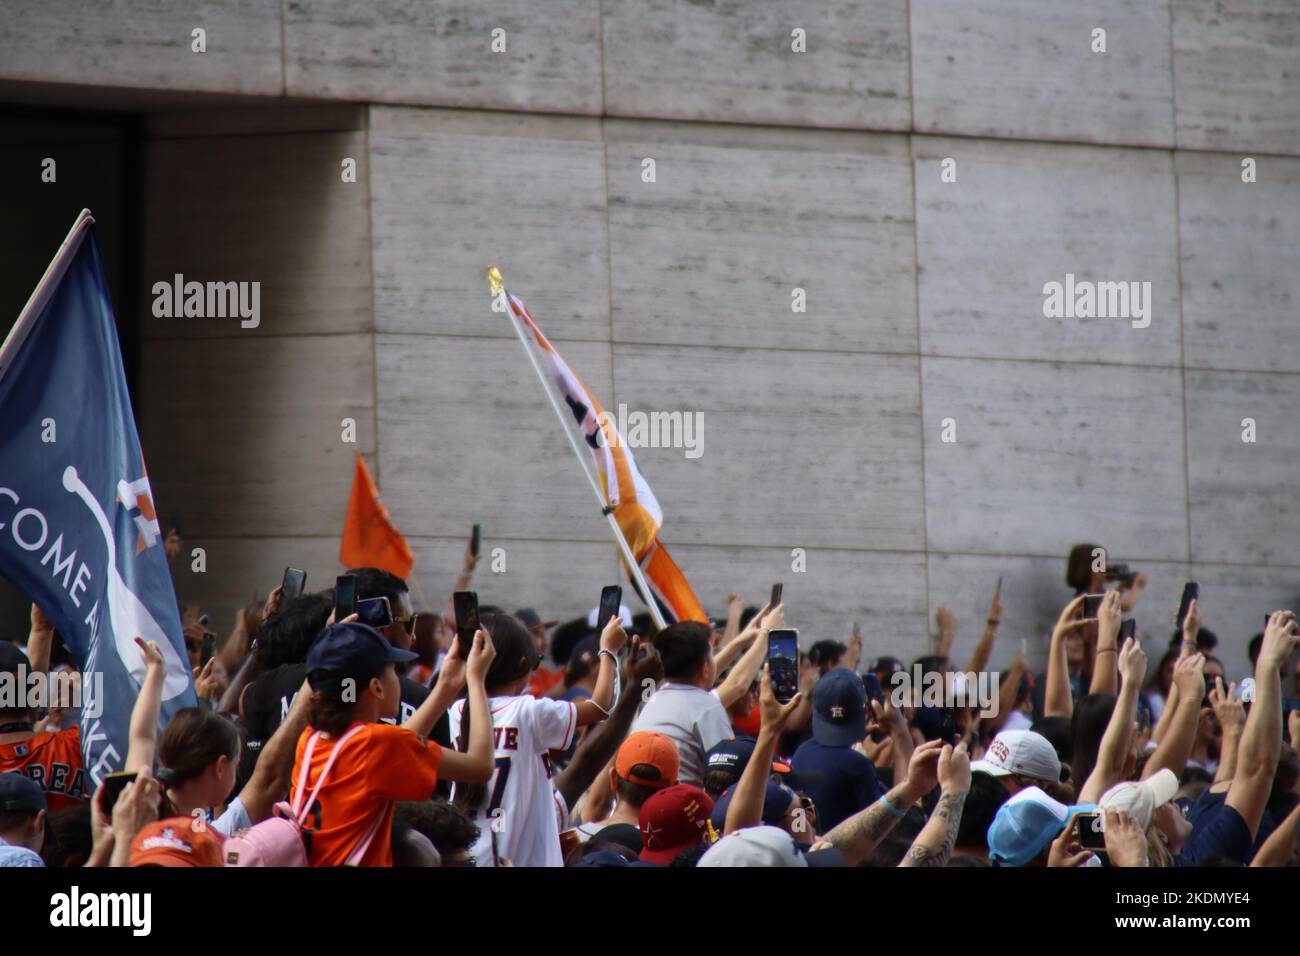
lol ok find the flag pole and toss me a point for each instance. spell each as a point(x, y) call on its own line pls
point(634, 569)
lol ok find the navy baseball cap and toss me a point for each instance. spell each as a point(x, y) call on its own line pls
point(20, 794)
point(351, 650)
point(12, 657)
point(776, 803)
point(733, 756)
point(839, 709)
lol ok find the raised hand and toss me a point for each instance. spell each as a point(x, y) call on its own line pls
point(923, 768)
point(1280, 638)
point(1069, 619)
point(1066, 850)
point(775, 715)
point(1230, 713)
point(1189, 677)
point(1108, 618)
point(954, 769)
point(481, 655)
point(1132, 661)
point(613, 637)
point(1126, 843)
point(151, 654)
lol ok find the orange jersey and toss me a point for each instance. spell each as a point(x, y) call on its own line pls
point(380, 764)
point(52, 759)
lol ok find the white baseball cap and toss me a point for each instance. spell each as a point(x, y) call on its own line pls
point(1020, 751)
point(1140, 799)
point(754, 846)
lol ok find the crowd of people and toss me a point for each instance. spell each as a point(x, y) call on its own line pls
point(322, 742)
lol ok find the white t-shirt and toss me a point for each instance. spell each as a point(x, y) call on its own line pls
point(519, 807)
point(693, 718)
point(235, 818)
point(1016, 720)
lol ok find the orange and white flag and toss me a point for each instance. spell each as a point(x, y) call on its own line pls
point(626, 492)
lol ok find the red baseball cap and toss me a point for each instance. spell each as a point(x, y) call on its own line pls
point(672, 820)
point(175, 842)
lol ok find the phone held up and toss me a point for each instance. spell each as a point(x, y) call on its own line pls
point(345, 596)
point(294, 582)
point(467, 623)
point(611, 602)
point(783, 662)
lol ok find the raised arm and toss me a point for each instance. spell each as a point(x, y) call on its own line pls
point(737, 683)
point(602, 743)
point(1279, 848)
point(1007, 694)
point(947, 623)
point(734, 643)
point(1231, 715)
point(1117, 740)
point(596, 708)
point(746, 808)
point(476, 764)
point(273, 772)
point(858, 836)
point(143, 737)
point(451, 678)
point(39, 641)
point(979, 659)
point(1105, 677)
point(1176, 746)
point(1057, 699)
point(933, 845)
point(1261, 741)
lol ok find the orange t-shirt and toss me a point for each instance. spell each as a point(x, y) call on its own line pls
point(378, 765)
point(52, 759)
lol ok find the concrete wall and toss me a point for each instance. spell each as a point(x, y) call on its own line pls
point(775, 170)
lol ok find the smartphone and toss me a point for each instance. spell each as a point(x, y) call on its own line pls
point(947, 727)
point(1127, 629)
point(113, 785)
point(476, 539)
point(294, 582)
point(345, 596)
point(783, 662)
point(611, 601)
point(871, 684)
point(1091, 605)
point(466, 603)
point(1091, 835)
point(776, 595)
point(209, 646)
point(375, 611)
point(1191, 592)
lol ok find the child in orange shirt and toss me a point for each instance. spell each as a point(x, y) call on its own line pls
point(367, 765)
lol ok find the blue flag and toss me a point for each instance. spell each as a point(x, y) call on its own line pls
point(78, 525)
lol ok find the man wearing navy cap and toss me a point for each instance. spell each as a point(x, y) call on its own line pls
point(22, 821)
point(840, 780)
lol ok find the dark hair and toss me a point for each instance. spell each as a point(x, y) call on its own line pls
point(516, 657)
point(288, 633)
point(194, 739)
point(1091, 717)
point(374, 583)
point(69, 839)
point(634, 794)
point(1254, 646)
point(1078, 567)
point(931, 663)
point(1057, 732)
point(684, 647)
point(690, 856)
point(13, 819)
point(327, 711)
point(448, 829)
point(1153, 683)
point(986, 795)
point(826, 653)
point(717, 782)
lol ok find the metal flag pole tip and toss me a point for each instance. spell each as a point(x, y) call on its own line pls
point(495, 282)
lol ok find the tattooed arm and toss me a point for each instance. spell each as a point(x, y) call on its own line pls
point(933, 845)
point(861, 833)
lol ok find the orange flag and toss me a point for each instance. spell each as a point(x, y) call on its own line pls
point(369, 538)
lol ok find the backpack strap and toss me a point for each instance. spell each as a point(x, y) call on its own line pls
point(301, 812)
point(355, 857)
point(301, 788)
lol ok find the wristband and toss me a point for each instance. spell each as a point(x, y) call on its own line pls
point(891, 808)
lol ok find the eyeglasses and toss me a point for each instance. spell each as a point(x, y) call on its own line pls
point(410, 621)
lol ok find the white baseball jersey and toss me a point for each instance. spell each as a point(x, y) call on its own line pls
point(519, 807)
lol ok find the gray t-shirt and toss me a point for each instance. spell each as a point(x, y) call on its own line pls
point(693, 718)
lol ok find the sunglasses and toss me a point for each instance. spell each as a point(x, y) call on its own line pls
point(410, 621)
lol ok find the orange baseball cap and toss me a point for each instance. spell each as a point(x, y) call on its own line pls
point(655, 750)
point(175, 842)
